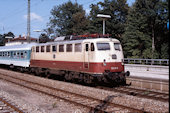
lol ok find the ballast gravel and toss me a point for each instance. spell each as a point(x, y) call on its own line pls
point(45, 104)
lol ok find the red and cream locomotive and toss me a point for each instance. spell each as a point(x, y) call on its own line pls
point(86, 60)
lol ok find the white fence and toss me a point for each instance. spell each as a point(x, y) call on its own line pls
point(146, 61)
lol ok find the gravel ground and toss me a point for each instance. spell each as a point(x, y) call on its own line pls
point(45, 103)
point(34, 102)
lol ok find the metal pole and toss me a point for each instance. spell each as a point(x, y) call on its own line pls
point(28, 22)
point(103, 26)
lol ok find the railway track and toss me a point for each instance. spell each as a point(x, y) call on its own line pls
point(93, 104)
point(8, 107)
point(145, 93)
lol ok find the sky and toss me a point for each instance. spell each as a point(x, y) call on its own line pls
point(13, 14)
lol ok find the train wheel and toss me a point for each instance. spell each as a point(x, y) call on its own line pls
point(68, 76)
point(80, 80)
point(21, 69)
point(37, 71)
point(87, 79)
point(47, 73)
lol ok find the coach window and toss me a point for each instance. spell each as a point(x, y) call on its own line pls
point(54, 48)
point(0, 54)
point(14, 54)
point(25, 54)
point(117, 46)
point(48, 48)
point(69, 48)
point(5, 54)
point(78, 47)
point(92, 47)
point(8, 54)
point(42, 48)
point(61, 48)
point(22, 54)
point(37, 49)
point(18, 54)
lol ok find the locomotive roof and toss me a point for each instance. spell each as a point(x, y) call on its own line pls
point(80, 41)
point(17, 47)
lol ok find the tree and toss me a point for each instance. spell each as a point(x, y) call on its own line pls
point(3, 39)
point(117, 9)
point(68, 19)
point(43, 38)
point(145, 29)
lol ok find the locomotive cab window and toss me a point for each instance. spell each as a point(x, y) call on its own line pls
point(117, 46)
point(103, 46)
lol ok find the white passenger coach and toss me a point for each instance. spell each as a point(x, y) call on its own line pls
point(16, 55)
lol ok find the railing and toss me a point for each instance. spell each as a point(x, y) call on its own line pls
point(146, 61)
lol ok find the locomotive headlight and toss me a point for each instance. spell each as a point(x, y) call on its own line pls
point(104, 62)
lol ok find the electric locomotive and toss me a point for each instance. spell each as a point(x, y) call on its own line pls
point(85, 60)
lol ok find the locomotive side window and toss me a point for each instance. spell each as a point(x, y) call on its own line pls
point(48, 48)
point(61, 48)
point(117, 46)
point(103, 46)
point(54, 48)
point(42, 48)
point(37, 49)
point(87, 47)
point(92, 47)
point(78, 47)
point(69, 48)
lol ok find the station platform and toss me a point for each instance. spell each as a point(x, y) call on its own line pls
point(148, 71)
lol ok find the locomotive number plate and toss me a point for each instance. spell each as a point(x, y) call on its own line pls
point(113, 68)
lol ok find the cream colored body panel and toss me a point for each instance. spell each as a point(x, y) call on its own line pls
point(93, 56)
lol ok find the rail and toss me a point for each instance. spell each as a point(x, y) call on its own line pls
point(146, 61)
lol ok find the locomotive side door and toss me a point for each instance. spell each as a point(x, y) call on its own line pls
point(86, 55)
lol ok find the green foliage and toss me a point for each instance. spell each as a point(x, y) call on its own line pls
point(146, 21)
point(117, 9)
point(43, 38)
point(2, 38)
point(136, 26)
point(67, 19)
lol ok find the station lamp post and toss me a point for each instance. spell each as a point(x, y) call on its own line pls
point(104, 17)
point(38, 31)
